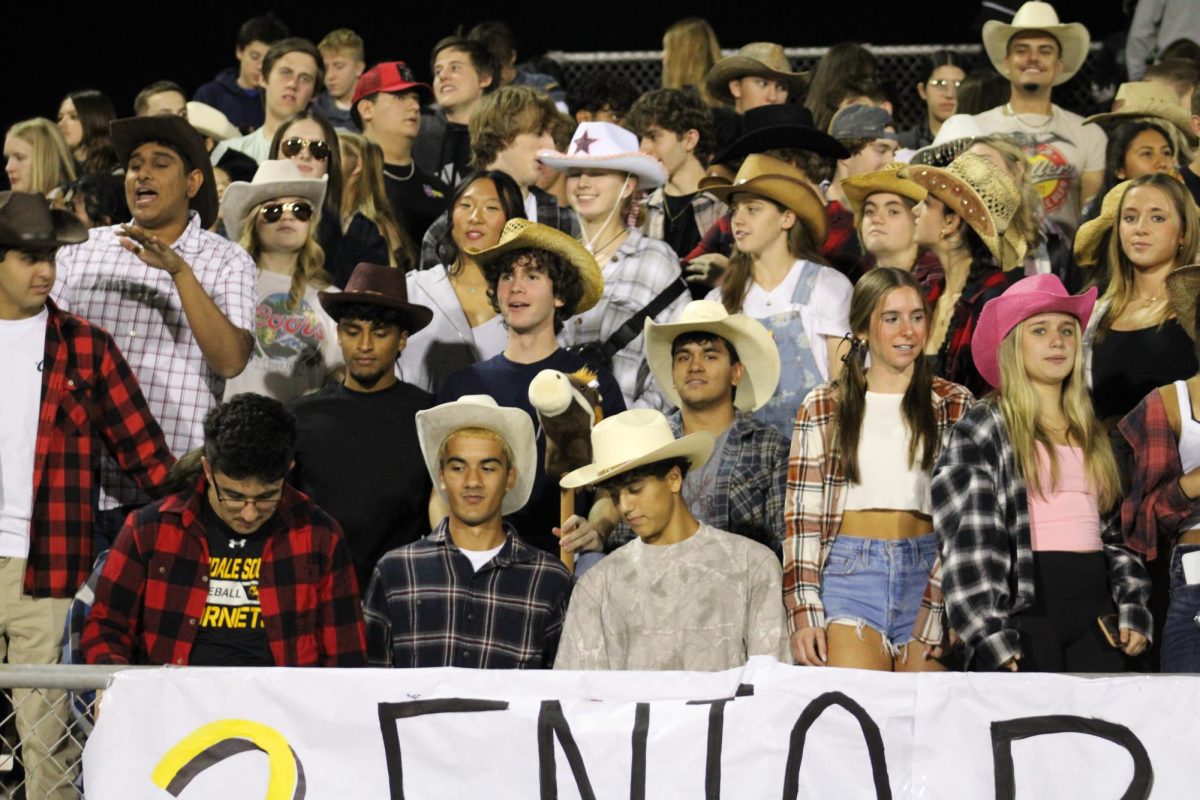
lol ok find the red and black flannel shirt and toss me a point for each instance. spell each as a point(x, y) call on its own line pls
point(153, 588)
point(954, 361)
point(90, 399)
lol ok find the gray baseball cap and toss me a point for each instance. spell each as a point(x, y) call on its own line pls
point(861, 122)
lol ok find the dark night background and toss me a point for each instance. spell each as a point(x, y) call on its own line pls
point(119, 48)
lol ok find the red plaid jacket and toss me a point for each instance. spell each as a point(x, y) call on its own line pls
point(90, 400)
point(954, 361)
point(153, 587)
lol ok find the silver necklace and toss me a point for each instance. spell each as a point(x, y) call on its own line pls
point(412, 168)
point(1026, 125)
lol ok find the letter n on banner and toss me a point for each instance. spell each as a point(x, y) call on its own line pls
point(870, 730)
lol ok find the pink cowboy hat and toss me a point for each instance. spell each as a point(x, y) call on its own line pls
point(1037, 294)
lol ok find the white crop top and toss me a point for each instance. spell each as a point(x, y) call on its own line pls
point(887, 482)
point(1189, 446)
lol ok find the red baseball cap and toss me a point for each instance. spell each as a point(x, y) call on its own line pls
point(393, 77)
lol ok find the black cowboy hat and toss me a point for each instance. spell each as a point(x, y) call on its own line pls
point(177, 133)
point(776, 126)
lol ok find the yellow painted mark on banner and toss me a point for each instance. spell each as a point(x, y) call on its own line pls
point(212, 743)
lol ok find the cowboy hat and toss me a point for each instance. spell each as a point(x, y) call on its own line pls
point(1073, 38)
point(983, 195)
point(772, 127)
point(377, 285)
point(760, 59)
point(957, 133)
point(435, 425)
point(633, 439)
point(274, 179)
point(1086, 247)
point(210, 122)
point(775, 180)
point(521, 234)
point(28, 223)
point(603, 145)
point(754, 344)
point(1149, 99)
point(177, 133)
point(1037, 294)
point(858, 188)
point(1183, 287)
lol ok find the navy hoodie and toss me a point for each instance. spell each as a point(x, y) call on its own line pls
point(244, 107)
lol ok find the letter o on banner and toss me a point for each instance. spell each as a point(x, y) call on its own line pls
point(211, 744)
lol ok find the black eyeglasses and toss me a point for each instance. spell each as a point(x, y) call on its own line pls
point(236, 504)
point(317, 148)
point(273, 212)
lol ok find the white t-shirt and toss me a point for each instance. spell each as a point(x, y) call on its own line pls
point(480, 557)
point(254, 144)
point(22, 349)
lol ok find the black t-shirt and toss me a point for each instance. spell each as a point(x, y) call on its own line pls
point(1192, 181)
point(679, 225)
point(417, 197)
point(358, 458)
point(232, 633)
point(1128, 365)
point(508, 384)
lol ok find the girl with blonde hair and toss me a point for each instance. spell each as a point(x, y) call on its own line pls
point(36, 157)
point(690, 49)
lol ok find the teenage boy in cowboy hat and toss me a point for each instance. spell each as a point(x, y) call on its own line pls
point(538, 277)
point(355, 439)
point(1036, 53)
point(471, 594)
point(69, 394)
point(758, 75)
point(178, 300)
point(684, 595)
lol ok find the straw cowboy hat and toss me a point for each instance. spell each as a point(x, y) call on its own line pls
point(1073, 38)
point(131, 132)
point(521, 234)
point(603, 145)
point(274, 179)
point(786, 125)
point(859, 187)
point(28, 223)
point(210, 122)
point(760, 59)
point(1086, 247)
point(956, 134)
point(633, 439)
point(377, 285)
point(435, 425)
point(775, 180)
point(1150, 99)
point(983, 195)
point(1037, 294)
point(1183, 286)
point(754, 344)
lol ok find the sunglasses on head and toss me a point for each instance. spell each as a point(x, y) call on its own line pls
point(273, 212)
point(317, 148)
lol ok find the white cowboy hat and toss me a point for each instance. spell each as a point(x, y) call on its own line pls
point(633, 439)
point(210, 122)
point(754, 344)
point(957, 133)
point(274, 179)
point(435, 425)
point(1073, 38)
point(603, 145)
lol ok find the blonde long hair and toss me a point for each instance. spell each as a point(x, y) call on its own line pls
point(310, 261)
point(52, 164)
point(690, 49)
point(1019, 401)
point(364, 193)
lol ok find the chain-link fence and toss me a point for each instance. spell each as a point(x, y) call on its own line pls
point(46, 713)
point(900, 68)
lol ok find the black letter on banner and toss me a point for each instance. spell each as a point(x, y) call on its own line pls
point(551, 723)
point(1006, 732)
point(390, 712)
point(716, 735)
point(870, 731)
point(637, 772)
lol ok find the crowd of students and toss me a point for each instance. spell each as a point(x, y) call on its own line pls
point(842, 394)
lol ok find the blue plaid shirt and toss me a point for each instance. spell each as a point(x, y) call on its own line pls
point(427, 606)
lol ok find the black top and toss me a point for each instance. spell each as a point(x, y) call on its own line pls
point(1192, 181)
point(508, 384)
point(362, 241)
point(1128, 365)
point(358, 458)
point(232, 632)
point(679, 226)
point(417, 197)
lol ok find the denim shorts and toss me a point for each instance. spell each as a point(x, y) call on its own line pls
point(1181, 633)
point(878, 583)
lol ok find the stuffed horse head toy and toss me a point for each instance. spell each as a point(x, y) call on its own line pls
point(567, 408)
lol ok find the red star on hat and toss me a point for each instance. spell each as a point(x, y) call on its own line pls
point(583, 144)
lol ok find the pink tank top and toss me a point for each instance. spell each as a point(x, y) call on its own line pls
point(1067, 518)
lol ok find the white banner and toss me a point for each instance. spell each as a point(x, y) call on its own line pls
point(764, 731)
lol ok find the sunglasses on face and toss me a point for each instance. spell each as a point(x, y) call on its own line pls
point(317, 148)
point(273, 212)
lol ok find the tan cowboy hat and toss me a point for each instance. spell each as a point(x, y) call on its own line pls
point(521, 234)
point(763, 59)
point(754, 344)
point(1151, 99)
point(1091, 233)
point(603, 145)
point(1183, 287)
point(858, 188)
point(775, 180)
point(633, 439)
point(274, 179)
point(983, 195)
point(1073, 38)
point(435, 425)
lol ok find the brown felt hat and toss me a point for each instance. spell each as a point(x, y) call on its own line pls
point(28, 223)
point(377, 285)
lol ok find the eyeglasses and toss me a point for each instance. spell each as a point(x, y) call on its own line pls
point(273, 212)
point(943, 84)
point(317, 148)
point(237, 504)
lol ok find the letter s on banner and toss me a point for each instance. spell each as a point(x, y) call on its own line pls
point(213, 743)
